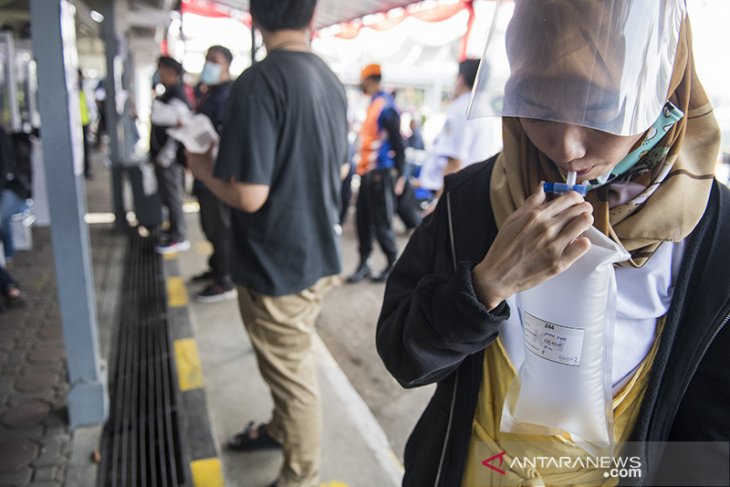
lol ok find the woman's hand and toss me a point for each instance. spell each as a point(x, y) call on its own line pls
point(536, 242)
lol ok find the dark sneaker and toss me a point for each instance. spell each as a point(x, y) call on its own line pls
point(202, 277)
point(14, 298)
point(172, 246)
point(214, 293)
point(362, 272)
point(383, 276)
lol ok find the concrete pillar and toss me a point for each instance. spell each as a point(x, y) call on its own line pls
point(54, 47)
point(114, 66)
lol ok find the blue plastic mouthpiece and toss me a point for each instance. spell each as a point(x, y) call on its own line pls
point(568, 185)
point(561, 188)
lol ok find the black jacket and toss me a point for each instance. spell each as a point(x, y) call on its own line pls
point(432, 328)
point(158, 135)
point(214, 104)
point(15, 163)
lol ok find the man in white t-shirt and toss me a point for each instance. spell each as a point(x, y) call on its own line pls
point(461, 142)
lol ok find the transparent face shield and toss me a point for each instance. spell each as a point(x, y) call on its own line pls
point(602, 64)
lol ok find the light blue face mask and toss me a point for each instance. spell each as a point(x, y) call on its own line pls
point(670, 115)
point(211, 74)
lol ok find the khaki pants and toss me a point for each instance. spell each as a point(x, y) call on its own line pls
point(281, 330)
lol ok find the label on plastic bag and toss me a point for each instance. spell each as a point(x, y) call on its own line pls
point(556, 343)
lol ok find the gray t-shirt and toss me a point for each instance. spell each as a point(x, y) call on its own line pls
point(286, 128)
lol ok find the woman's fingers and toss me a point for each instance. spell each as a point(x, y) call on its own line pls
point(532, 203)
point(562, 220)
point(575, 250)
point(563, 202)
point(574, 229)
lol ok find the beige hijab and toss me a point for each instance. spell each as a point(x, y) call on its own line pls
point(679, 182)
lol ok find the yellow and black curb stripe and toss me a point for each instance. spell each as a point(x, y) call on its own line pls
point(206, 469)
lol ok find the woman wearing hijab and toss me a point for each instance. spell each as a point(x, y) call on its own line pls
point(607, 90)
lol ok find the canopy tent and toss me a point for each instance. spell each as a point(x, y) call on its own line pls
point(330, 12)
point(418, 44)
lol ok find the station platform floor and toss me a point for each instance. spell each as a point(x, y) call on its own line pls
point(355, 449)
point(367, 415)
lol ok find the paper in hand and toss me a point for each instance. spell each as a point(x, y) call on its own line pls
point(197, 134)
point(165, 114)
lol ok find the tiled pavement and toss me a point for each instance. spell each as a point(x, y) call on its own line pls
point(34, 438)
point(35, 441)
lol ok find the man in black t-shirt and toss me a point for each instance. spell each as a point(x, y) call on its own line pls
point(281, 151)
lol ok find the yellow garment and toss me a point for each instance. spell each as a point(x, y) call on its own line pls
point(487, 440)
point(83, 105)
point(677, 187)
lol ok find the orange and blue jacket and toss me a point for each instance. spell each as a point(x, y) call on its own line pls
point(381, 145)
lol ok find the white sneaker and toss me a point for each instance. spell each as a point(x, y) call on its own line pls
point(172, 246)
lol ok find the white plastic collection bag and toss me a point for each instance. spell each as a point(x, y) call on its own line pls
point(564, 383)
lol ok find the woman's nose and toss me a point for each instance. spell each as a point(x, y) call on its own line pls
point(568, 143)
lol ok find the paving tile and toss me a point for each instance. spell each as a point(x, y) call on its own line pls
point(15, 454)
point(7, 338)
point(50, 332)
point(56, 431)
point(52, 452)
point(15, 357)
point(19, 476)
point(49, 395)
point(6, 384)
point(46, 355)
point(45, 474)
point(35, 382)
point(34, 433)
point(27, 413)
point(58, 418)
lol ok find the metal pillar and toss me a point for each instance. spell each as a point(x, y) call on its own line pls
point(113, 85)
point(54, 47)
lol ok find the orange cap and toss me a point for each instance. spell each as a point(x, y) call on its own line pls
point(370, 70)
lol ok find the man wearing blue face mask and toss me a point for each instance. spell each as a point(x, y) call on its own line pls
point(215, 216)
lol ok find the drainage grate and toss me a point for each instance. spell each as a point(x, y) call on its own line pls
point(142, 444)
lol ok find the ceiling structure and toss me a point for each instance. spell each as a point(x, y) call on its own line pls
point(331, 12)
point(147, 20)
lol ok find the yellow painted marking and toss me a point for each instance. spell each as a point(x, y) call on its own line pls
point(207, 472)
point(203, 248)
point(177, 296)
point(333, 483)
point(189, 371)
